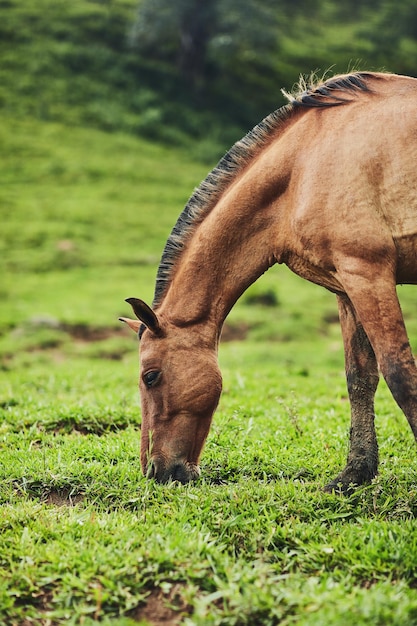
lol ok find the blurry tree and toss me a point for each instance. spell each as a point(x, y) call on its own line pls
point(393, 34)
point(224, 51)
point(202, 37)
point(177, 33)
point(396, 20)
point(194, 69)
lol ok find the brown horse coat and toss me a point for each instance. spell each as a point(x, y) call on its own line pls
point(328, 186)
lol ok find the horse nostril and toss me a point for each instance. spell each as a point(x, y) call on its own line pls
point(162, 474)
point(179, 472)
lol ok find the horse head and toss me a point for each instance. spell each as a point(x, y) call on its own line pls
point(180, 386)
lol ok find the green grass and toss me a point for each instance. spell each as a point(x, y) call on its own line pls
point(81, 209)
point(84, 537)
point(254, 541)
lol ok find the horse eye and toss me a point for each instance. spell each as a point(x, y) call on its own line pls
point(151, 378)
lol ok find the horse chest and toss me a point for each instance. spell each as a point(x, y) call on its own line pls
point(314, 273)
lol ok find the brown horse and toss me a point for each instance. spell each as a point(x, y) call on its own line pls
point(328, 186)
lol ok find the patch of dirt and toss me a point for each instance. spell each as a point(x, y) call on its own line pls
point(8, 404)
point(62, 497)
point(42, 600)
point(84, 332)
point(331, 318)
point(235, 332)
point(163, 609)
point(81, 332)
point(267, 298)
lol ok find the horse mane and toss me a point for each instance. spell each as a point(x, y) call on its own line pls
point(328, 93)
point(335, 91)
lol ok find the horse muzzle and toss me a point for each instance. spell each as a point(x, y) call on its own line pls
point(180, 471)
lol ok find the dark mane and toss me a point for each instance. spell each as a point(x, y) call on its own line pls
point(332, 92)
point(335, 91)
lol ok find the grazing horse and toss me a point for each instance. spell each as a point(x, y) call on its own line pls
point(327, 185)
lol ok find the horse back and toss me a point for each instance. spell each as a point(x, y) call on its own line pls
point(353, 186)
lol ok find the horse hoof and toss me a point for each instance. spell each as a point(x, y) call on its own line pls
point(340, 488)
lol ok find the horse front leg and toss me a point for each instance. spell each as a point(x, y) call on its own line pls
point(362, 381)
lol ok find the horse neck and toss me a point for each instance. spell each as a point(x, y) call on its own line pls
point(236, 243)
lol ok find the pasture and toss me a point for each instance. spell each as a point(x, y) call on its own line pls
point(84, 538)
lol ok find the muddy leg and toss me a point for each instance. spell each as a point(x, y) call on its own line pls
point(372, 291)
point(362, 380)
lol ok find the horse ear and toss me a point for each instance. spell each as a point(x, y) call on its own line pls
point(145, 314)
point(133, 324)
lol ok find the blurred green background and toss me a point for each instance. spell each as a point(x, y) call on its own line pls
point(175, 71)
point(112, 111)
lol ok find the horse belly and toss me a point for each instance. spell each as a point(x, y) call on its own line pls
point(398, 205)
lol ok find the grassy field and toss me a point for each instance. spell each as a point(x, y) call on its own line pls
point(84, 537)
